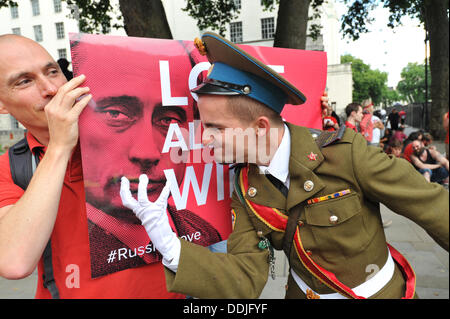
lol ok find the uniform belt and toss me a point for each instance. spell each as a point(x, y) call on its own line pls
point(366, 289)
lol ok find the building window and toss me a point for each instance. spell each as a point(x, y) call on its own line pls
point(14, 12)
point(59, 30)
point(62, 54)
point(35, 7)
point(16, 31)
point(236, 32)
point(38, 33)
point(57, 6)
point(237, 3)
point(267, 28)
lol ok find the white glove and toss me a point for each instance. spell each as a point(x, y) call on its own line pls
point(154, 219)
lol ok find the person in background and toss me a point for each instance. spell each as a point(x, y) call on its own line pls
point(371, 125)
point(329, 122)
point(430, 163)
point(354, 114)
point(384, 141)
point(402, 115)
point(64, 64)
point(399, 135)
point(393, 119)
point(395, 148)
point(407, 144)
point(445, 125)
point(428, 141)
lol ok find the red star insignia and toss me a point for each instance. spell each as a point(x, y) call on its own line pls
point(312, 156)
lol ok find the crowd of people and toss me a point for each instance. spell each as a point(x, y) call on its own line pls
point(388, 133)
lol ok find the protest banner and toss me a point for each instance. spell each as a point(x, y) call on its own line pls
point(143, 119)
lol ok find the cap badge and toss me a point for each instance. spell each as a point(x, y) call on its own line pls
point(200, 46)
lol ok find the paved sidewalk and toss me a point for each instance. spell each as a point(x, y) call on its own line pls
point(429, 261)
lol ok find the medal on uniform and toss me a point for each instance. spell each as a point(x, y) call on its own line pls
point(265, 244)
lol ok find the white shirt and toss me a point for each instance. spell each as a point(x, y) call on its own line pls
point(376, 134)
point(279, 165)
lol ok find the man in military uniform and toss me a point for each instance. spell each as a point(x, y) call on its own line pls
point(316, 197)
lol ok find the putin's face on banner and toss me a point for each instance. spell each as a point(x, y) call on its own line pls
point(126, 123)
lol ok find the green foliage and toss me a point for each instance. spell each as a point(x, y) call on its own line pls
point(412, 85)
point(367, 83)
point(217, 14)
point(8, 3)
point(212, 14)
point(94, 16)
point(355, 21)
point(390, 96)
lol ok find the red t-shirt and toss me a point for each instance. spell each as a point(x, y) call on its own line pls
point(366, 126)
point(350, 125)
point(328, 123)
point(70, 245)
point(407, 152)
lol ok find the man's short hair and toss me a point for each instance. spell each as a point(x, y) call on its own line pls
point(248, 109)
point(352, 107)
point(427, 137)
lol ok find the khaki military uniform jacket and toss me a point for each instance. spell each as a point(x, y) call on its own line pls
point(346, 246)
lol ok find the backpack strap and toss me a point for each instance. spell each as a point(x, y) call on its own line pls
point(22, 165)
point(20, 161)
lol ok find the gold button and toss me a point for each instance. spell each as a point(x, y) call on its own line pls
point(333, 219)
point(308, 186)
point(309, 252)
point(300, 223)
point(247, 89)
point(252, 192)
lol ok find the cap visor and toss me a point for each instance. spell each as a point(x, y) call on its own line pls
point(208, 88)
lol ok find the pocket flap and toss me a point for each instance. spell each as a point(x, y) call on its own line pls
point(333, 212)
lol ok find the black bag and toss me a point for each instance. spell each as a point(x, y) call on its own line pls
point(23, 164)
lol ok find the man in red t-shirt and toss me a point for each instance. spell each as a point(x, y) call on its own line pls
point(355, 114)
point(329, 123)
point(34, 90)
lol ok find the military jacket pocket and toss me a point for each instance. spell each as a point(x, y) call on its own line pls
point(337, 226)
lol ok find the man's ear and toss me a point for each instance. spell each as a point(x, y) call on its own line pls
point(262, 124)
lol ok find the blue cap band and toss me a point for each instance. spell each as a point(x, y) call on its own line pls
point(260, 89)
